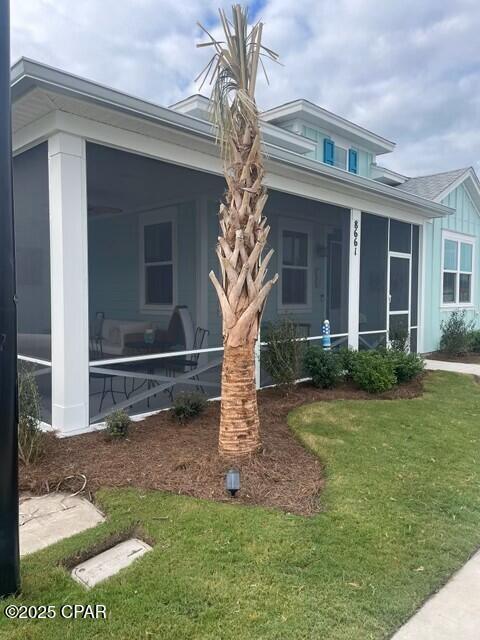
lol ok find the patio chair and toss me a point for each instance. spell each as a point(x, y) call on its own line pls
point(96, 353)
point(96, 331)
point(179, 332)
point(187, 363)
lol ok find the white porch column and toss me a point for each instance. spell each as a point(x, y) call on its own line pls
point(69, 282)
point(354, 278)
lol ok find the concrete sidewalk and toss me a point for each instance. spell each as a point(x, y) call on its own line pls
point(451, 614)
point(456, 367)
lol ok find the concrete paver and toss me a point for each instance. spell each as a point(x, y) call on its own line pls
point(47, 519)
point(110, 562)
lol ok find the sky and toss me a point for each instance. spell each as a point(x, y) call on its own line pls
point(408, 70)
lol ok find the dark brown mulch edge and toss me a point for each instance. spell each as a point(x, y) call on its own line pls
point(466, 358)
point(161, 454)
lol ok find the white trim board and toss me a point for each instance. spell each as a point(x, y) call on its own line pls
point(289, 173)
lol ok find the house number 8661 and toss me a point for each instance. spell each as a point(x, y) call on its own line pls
point(355, 237)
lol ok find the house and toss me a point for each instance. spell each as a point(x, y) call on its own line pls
point(116, 204)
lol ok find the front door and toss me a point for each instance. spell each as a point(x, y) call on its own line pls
point(398, 321)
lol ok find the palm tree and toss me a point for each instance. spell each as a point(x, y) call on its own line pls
point(241, 291)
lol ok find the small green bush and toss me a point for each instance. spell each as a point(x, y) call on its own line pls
point(399, 340)
point(30, 436)
point(188, 405)
point(474, 341)
point(456, 331)
point(406, 366)
point(118, 424)
point(346, 359)
point(373, 371)
point(323, 367)
point(282, 355)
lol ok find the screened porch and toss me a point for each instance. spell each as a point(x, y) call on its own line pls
point(155, 328)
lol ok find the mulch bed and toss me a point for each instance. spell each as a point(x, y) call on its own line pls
point(467, 358)
point(164, 455)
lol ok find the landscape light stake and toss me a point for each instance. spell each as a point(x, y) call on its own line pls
point(9, 551)
point(232, 482)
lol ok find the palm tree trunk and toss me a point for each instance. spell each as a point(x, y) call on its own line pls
point(241, 290)
point(239, 421)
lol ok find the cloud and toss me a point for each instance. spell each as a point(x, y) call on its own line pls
point(408, 70)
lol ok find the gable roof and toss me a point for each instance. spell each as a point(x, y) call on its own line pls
point(432, 186)
point(436, 187)
point(320, 117)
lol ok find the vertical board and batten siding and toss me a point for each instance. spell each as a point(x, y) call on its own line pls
point(114, 265)
point(466, 220)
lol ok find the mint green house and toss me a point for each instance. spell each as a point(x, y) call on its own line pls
point(451, 245)
point(116, 203)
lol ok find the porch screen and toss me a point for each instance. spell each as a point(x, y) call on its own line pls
point(32, 243)
point(373, 273)
point(311, 244)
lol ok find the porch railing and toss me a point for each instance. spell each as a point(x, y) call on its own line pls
point(158, 383)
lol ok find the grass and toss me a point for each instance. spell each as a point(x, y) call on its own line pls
point(402, 512)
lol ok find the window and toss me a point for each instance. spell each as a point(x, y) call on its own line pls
point(294, 268)
point(457, 270)
point(340, 157)
point(158, 264)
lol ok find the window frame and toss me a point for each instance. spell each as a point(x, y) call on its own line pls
point(146, 220)
point(459, 239)
point(295, 226)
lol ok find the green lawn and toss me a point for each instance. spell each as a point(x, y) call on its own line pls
point(402, 512)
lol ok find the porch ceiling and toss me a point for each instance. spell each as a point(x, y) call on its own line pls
point(131, 183)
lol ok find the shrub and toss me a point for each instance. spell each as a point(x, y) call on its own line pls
point(373, 371)
point(406, 366)
point(118, 424)
point(399, 340)
point(474, 341)
point(346, 359)
point(456, 330)
point(188, 405)
point(30, 436)
point(324, 367)
point(282, 356)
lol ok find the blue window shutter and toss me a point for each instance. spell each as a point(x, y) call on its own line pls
point(328, 151)
point(352, 161)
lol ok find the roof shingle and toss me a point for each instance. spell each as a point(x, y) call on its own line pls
point(430, 187)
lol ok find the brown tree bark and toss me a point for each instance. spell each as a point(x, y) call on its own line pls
point(239, 421)
point(242, 292)
point(240, 287)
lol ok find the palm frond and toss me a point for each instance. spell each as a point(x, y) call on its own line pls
point(233, 71)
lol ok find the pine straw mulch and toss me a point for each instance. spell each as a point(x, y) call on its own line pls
point(164, 455)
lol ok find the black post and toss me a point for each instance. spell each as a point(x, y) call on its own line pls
point(9, 553)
